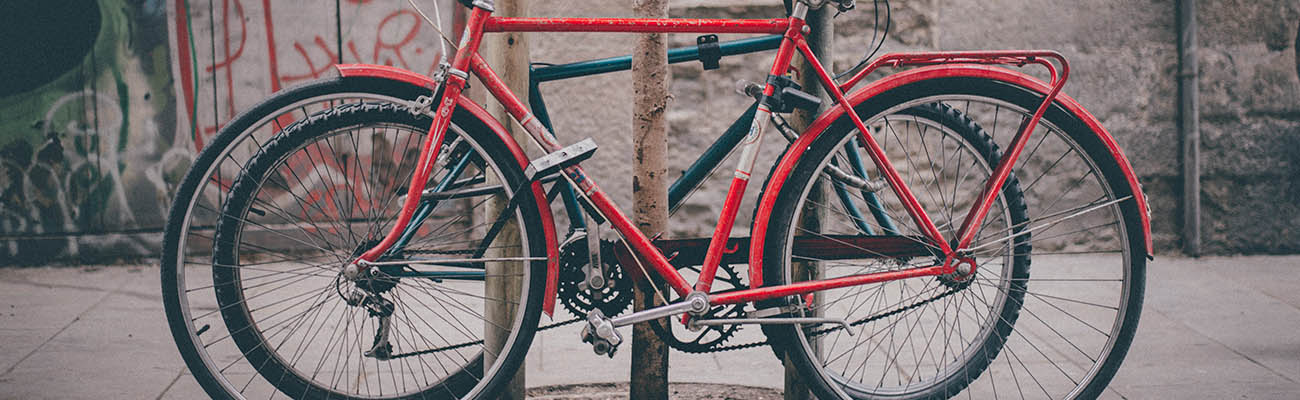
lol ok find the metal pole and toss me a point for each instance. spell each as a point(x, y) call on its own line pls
point(649, 378)
point(820, 39)
point(1189, 128)
point(508, 55)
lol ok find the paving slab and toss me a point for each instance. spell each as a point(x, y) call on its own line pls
point(37, 303)
point(1209, 298)
point(1211, 328)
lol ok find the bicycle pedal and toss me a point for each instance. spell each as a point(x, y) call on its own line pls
point(792, 98)
point(554, 162)
point(601, 334)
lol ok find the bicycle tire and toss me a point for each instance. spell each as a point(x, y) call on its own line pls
point(385, 103)
point(1062, 140)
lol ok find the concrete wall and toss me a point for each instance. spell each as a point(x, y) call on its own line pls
point(98, 132)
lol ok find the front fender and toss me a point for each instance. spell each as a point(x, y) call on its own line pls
point(796, 149)
point(464, 103)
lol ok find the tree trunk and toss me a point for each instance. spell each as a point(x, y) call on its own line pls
point(649, 378)
point(507, 53)
point(820, 39)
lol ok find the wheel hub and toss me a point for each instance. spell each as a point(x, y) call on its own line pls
point(963, 272)
point(373, 280)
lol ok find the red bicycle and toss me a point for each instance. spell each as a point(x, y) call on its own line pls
point(364, 236)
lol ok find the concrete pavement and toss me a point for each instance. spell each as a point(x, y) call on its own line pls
point(1212, 328)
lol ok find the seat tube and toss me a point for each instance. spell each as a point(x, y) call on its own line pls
point(749, 151)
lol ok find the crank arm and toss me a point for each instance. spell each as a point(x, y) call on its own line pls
point(695, 303)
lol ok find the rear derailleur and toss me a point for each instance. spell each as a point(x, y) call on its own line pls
point(368, 294)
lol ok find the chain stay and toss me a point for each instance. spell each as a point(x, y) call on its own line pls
point(829, 330)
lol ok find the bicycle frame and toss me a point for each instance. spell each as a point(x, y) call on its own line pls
point(720, 244)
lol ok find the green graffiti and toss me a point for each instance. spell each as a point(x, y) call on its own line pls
point(71, 159)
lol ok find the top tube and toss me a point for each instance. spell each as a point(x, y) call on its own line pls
point(676, 55)
point(636, 25)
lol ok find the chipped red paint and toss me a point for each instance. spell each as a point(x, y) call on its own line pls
point(387, 72)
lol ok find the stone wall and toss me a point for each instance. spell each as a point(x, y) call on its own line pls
point(97, 126)
point(1124, 59)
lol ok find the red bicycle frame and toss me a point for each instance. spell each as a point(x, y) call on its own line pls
point(468, 59)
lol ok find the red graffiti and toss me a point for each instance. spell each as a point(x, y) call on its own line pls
point(320, 57)
point(216, 52)
point(312, 71)
point(380, 45)
point(229, 59)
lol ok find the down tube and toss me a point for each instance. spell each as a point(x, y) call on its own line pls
point(638, 241)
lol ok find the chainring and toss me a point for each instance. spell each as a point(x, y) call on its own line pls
point(615, 297)
point(709, 338)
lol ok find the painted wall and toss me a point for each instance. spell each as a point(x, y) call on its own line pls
point(86, 128)
point(107, 101)
point(113, 98)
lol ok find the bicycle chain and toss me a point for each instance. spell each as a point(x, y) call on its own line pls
point(714, 349)
point(829, 330)
point(476, 342)
point(725, 273)
point(666, 334)
point(421, 251)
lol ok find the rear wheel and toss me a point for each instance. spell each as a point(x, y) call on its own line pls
point(1058, 331)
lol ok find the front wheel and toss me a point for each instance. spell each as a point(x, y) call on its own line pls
point(1058, 331)
point(253, 277)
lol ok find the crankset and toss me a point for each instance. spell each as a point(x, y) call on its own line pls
point(615, 295)
point(707, 338)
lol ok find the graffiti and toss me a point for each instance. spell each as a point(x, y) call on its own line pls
point(91, 181)
point(95, 139)
point(230, 54)
point(78, 145)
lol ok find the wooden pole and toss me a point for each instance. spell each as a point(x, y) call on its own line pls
point(508, 55)
point(649, 375)
point(820, 39)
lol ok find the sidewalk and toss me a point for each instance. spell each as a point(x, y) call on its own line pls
point(1212, 328)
